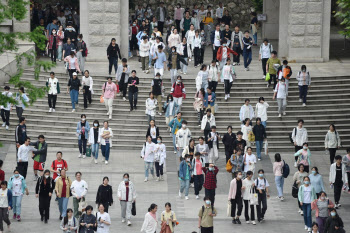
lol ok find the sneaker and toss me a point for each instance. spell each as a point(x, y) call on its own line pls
point(186, 197)
point(302, 213)
point(14, 216)
point(53, 110)
point(267, 85)
point(175, 152)
point(300, 100)
point(147, 71)
point(103, 159)
point(50, 110)
point(253, 222)
point(95, 161)
point(245, 69)
point(305, 227)
point(18, 218)
point(278, 197)
point(279, 115)
point(73, 110)
point(79, 156)
point(304, 105)
point(264, 77)
point(185, 73)
point(225, 97)
point(129, 223)
point(180, 194)
point(110, 117)
point(339, 205)
point(4, 124)
point(161, 178)
point(197, 197)
point(282, 198)
point(284, 113)
point(192, 185)
point(35, 178)
point(248, 222)
point(234, 221)
point(123, 220)
point(248, 68)
point(106, 162)
point(259, 159)
point(124, 98)
point(180, 71)
point(234, 64)
point(238, 221)
point(7, 127)
point(84, 156)
point(309, 229)
point(157, 179)
point(107, 113)
point(146, 179)
point(295, 164)
point(160, 113)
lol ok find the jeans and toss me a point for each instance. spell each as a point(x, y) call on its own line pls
point(255, 37)
point(59, 52)
point(105, 151)
point(307, 214)
point(264, 123)
point(259, 146)
point(239, 202)
point(263, 62)
point(246, 211)
point(279, 180)
point(174, 142)
point(222, 63)
point(184, 185)
point(159, 169)
point(148, 166)
point(149, 118)
point(74, 97)
point(82, 146)
point(87, 95)
point(178, 101)
point(62, 205)
point(247, 58)
point(261, 202)
point(52, 101)
point(205, 85)
point(198, 183)
point(16, 204)
point(183, 66)
point(5, 115)
point(113, 61)
point(94, 150)
point(282, 104)
point(303, 92)
point(19, 111)
point(211, 194)
point(133, 99)
point(173, 74)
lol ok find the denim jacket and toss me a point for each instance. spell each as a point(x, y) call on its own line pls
point(167, 110)
point(183, 170)
point(174, 123)
point(213, 97)
point(87, 129)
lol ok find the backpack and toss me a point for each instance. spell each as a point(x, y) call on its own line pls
point(229, 166)
point(291, 135)
point(85, 51)
point(285, 170)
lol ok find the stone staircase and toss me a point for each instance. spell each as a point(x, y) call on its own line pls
point(326, 104)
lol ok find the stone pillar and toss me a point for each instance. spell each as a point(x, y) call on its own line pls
point(100, 22)
point(270, 28)
point(23, 25)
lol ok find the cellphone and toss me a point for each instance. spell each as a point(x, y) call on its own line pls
point(206, 164)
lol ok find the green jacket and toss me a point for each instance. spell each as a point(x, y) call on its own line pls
point(301, 193)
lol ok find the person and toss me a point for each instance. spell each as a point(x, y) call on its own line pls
point(345, 161)
point(298, 179)
point(261, 110)
point(161, 15)
point(175, 124)
point(206, 216)
point(226, 19)
point(20, 133)
point(281, 94)
point(170, 110)
point(226, 35)
point(207, 122)
point(249, 160)
point(52, 45)
point(83, 128)
point(5, 205)
point(54, 89)
point(207, 23)
point(220, 12)
point(203, 149)
point(145, 47)
point(334, 223)
point(6, 109)
point(147, 154)
point(228, 75)
point(215, 38)
point(122, 77)
point(81, 51)
point(203, 45)
point(105, 138)
point(223, 54)
point(68, 48)
point(104, 194)
point(299, 136)
point(315, 227)
point(304, 156)
point(254, 27)
point(126, 195)
point(58, 165)
point(246, 111)
point(93, 140)
point(213, 139)
point(151, 105)
point(196, 47)
point(153, 131)
point(44, 189)
point(159, 59)
point(168, 219)
point(109, 92)
point(174, 60)
point(213, 75)
point(69, 223)
point(237, 44)
point(113, 52)
point(210, 174)
point(174, 39)
point(70, 32)
point(160, 158)
point(209, 100)
point(79, 190)
point(197, 174)
point(73, 65)
point(202, 78)
point(150, 222)
point(247, 131)
point(265, 52)
point(158, 91)
point(279, 179)
point(183, 135)
point(262, 187)
point(186, 25)
point(247, 50)
point(88, 221)
point(73, 88)
point(285, 71)
point(228, 140)
point(190, 150)
point(322, 205)
point(60, 36)
point(198, 105)
point(237, 162)
point(239, 143)
point(103, 220)
point(248, 187)
point(87, 83)
point(260, 136)
point(316, 181)
point(178, 91)
point(133, 31)
point(39, 156)
point(235, 197)
point(133, 84)
point(306, 196)
point(62, 188)
point(272, 64)
point(185, 170)
point(24, 152)
point(338, 178)
point(18, 186)
point(2, 173)
point(332, 142)
point(304, 82)
point(20, 98)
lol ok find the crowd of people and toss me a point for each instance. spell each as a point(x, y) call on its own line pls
point(197, 162)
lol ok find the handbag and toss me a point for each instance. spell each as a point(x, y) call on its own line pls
point(102, 100)
point(82, 206)
point(295, 190)
point(253, 197)
point(229, 209)
point(267, 78)
point(133, 209)
point(229, 166)
point(88, 151)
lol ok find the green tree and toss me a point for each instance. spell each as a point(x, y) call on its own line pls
point(344, 14)
point(17, 9)
point(258, 5)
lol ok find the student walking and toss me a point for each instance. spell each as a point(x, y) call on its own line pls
point(262, 187)
point(62, 189)
point(105, 138)
point(246, 111)
point(44, 189)
point(260, 136)
point(261, 110)
point(54, 89)
point(25, 151)
point(151, 106)
point(87, 83)
point(279, 179)
point(213, 75)
point(150, 223)
point(185, 171)
point(210, 181)
point(5, 205)
point(159, 158)
point(109, 92)
point(159, 59)
point(272, 65)
point(69, 223)
point(334, 223)
point(104, 220)
point(207, 122)
point(113, 52)
point(206, 216)
point(316, 181)
point(178, 91)
point(338, 178)
point(79, 190)
point(73, 65)
point(247, 189)
point(304, 157)
point(298, 180)
point(306, 196)
point(126, 195)
point(299, 136)
point(228, 75)
point(20, 98)
point(213, 144)
point(145, 48)
point(170, 110)
point(18, 186)
point(235, 197)
point(5, 110)
point(147, 154)
point(228, 140)
point(237, 44)
point(158, 91)
point(322, 205)
point(104, 194)
point(332, 142)
point(122, 77)
point(94, 140)
point(81, 51)
point(168, 219)
point(82, 131)
point(183, 137)
point(198, 105)
point(202, 78)
point(88, 221)
point(209, 100)
point(175, 125)
point(153, 131)
point(197, 165)
point(73, 88)
point(196, 47)
point(133, 84)
point(237, 161)
point(281, 94)
point(346, 162)
point(264, 54)
point(304, 82)
point(247, 50)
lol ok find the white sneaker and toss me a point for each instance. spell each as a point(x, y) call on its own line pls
point(4, 124)
point(245, 69)
point(197, 197)
point(161, 178)
point(107, 113)
point(53, 110)
point(129, 223)
point(305, 227)
point(248, 222)
point(253, 222)
point(79, 156)
point(228, 95)
point(309, 229)
point(304, 104)
point(110, 117)
point(192, 185)
point(300, 100)
point(175, 152)
point(225, 97)
point(180, 194)
point(180, 71)
point(248, 68)
point(264, 77)
point(284, 113)
point(160, 113)
point(185, 73)
point(95, 161)
point(50, 110)
point(84, 156)
point(279, 115)
point(295, 165)
point(123, 220)
point(282, 199)
point(146, 179)
point(267, 85)
point(103, 159)
point(186, 197)
point(124, 98)
point(106, 162)
point(259, 159)
point(157, 179)
point(147, 71)
point(73, 110)
point(7, 127)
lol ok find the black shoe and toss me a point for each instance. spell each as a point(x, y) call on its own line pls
point(135, 107)
point(42, 218)
point(238, 221)
point(45, 220)
point(131, 109)
point(60, 217)
point(234, 221)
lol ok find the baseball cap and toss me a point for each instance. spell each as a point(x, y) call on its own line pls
point(75, 73)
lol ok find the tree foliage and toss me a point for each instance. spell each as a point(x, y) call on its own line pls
point(258, 5)
point(344, 15)
point(17, 9)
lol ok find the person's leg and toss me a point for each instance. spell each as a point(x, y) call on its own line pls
point(245, 59)
point(128, 210)
point(60, 203)
point(135, 99)
point(64, 206)
point(305, 93)
point(278, 185)
point(156, 164)
point(246, 209)
point(75, 207)
point(279, 103)
point(187, 186)
point(103, 150)
point(84, 146)
point(304, 208)
point(147, 167)
point(258, 207)
point(264, 123)
point(143, 63)
point(19, 205)
point(5, 217)
point(107, 151)
point(85, 96)
point(309, 217)
point(282, 184)
point(161, 169)
point(332, 152)
point(258, 149)
point(72, 99)
point(337, 192)
point(80, 145)
point(263, 63)
point(123, 209)
point(131, 95)
point(115, 64)
point(255, 36)
point(249, 57)
point(240, 206)
point(184, 67)
point(284, 105)
point(110, 60)
point(196, 184)
point(25, 169)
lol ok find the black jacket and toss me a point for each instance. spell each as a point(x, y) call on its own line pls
point(210, 142)
point(149, 131)
point(331, 223)
point(178, 60)
point(228, 140)
point(21, 134)
point(104, 195)
point(113, 51)
point(70, 34)
point(44, 189)
point(259, 132)
point(42, 152)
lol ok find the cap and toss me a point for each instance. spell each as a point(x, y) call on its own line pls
point(75, 73)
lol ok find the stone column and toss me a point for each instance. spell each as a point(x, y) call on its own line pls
point(270, 28)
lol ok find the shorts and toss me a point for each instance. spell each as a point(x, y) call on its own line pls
point(38, 166)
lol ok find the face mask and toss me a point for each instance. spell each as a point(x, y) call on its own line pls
point(47, 176)
point(69, 29)
point(224, 45)
point(95, 124)
point(313, 172)
point(126, 179)
point(16, 175)
point(207, 202)
point(78, 39)
point(261, 175)
point(54, 32)
point(152, 37)
point(322, 198)
point(134, 24)
point(184, 126)
point(82, 119)
point(173, 51)
point(188, 160)
point(305, 147)
point(333, 214)
point(202, 33)
point(239, 176)
point(303, 70)
point(211, 168)
point(178, 81)
point(159, 141)
point(306, 182)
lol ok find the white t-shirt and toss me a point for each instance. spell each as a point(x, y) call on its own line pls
point(72, 62)
point(217, 39)
point(260, 183)
point(249, 158)
point(3, 198)
point(248, 185)
point(307, 194)
point(17, 187)
point(153, 132)
point(281, 90)
point(80, 187)
point(101, 227)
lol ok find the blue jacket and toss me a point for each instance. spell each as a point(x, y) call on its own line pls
point(174, 123)
point(87, 129)
point(183, 170)
point(10, 183)
point(205, 102)
point(167, 110)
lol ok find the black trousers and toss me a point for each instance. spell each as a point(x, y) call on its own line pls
point(263, 62)
point(113, 61)
point(236, 58)
point(228, 153)
point(133, 99)
point(122, 87)
point(206, 132)
point(296, 149)
point(19, 111)
point(273, 78)
point(5, 115)
point(196, 54)
point(215, 51)
point(207, 229)
point(133, 43)
point(53, 55)
point(198, 183)
point(82, 146)
point(159, 169)
point(332, 152)
point(71, 71)
point(161, 26)
point(202, 55)
point(44, 206)
point(52, 101)
point(337, 191)
point(87, 95)
point(213, 85)
point(239, 203)
point(200, 116)
point(262, 205)
point(177, 23)
point(246, 211)
point(228, 86)
point(22, 167)
point(211, 194)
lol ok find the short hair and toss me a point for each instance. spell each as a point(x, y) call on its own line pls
point(4, 182)
point(53, 73)
point(59, 152)
point(246, 100)
point(41, 136)
point(285, 62)
point(249, 173)
point(266, 40)
point(338, 157)
point(133, 71)
point(301, 120)
point(109, 78)
point(278, 157)
point(229, 127)
point(213, 127)
point(124, 60)
point(105, 178)
point(246, 31)
point(201, 138)
point(206, 198)
point(306, 177)
point(315, 223)
point(305, 143)
point(274, 52)
point(7, 88)
point(89, 207)
point(21, 119)
point(184, 122)
point(72, 53)
point(209, 110)
point(78, 173)
point(239, 133)
point(197, 153)
point(82, 115)
point(160, 46)
point(160, 137)
point(258, 119)
point(261, 98)
point(261, 170)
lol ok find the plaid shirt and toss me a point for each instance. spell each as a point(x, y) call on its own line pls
point(210, 178)
point(51, 41)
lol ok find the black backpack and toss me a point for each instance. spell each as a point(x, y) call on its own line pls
point(291, 135)
point(295, 190)
point(285, 170)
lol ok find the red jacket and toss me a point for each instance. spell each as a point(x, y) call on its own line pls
point(178, 91)
point(51, 41)
point(220, 52)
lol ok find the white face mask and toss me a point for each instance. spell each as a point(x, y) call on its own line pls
point(188, 159)
point(239, 176)
point(46, 176)
point(184, 126)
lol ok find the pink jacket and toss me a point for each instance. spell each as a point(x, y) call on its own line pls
point(233, 189)
point(68, 58)
point(60, 35)
point(315, 207)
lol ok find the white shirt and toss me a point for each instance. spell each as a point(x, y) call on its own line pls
point(248, 185)
point(153, 132)
point(24, 152)
point(260, 183)
point(265, 51)
point(151, 105)
point(161, 14)
point(249, 158)
point(101, 227)
point(147, 152)
point(8, 105)
point(213, 135)
point(219, 12)
point(171, 107)
point(3, 198)
point(17, 187)
point(197, 42)
point(261, 110)
point(307, 194)
point(217, 39)
point(245, 130)
point(190, 36)
point(160, 153)
point(281, 89)
point(79, 188)
point(72, 62)
point(213, 73)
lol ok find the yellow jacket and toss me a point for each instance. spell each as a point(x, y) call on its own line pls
point(59, 186)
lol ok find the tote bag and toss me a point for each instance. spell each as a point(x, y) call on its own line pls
point(253, 197)
point(229, 209)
